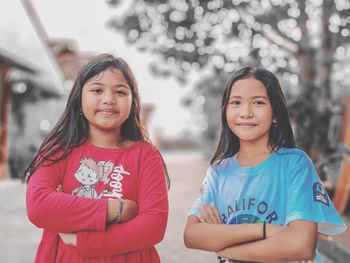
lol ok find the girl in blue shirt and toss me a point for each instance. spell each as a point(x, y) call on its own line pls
point(262, 199)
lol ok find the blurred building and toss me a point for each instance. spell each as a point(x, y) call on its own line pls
point(69, 58)
point(6, 64)
point(36, 74)
point(31, 84)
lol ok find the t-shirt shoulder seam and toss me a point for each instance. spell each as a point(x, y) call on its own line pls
point(293, 151)
point(217, 168)
point(297, 156)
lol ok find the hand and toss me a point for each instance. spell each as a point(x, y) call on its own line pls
point(130, 210)
point(59, 188)
point(324, 237)
point(209, 214)
point(69, 239)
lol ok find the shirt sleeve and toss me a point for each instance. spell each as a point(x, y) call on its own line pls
point(143, 231)
point(208, 191)
point(61, 212)
point(308, 199)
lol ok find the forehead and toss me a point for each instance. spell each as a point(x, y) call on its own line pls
point(249, 87)
point(110, 75)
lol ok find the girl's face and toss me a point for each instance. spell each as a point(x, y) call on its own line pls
point(106, 101)
point(249, 112)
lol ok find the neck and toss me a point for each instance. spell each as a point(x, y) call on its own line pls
point(105, 139)
point(253, 150)
point(253, 154)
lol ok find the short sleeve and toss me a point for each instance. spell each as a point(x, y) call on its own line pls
point(307, 198)
point(208, 191)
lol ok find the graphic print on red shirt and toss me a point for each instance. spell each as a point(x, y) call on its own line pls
point(91, 172)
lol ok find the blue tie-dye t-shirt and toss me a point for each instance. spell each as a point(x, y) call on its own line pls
point(283, 188)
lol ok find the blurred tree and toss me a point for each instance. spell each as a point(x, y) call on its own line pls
point(304, 42)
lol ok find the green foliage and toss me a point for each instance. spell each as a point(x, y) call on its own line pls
point(303, 42)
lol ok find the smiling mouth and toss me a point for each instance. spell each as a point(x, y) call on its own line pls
point(107, 112)
point(246, 125)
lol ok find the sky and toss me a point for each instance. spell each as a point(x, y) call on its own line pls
point(85, 21)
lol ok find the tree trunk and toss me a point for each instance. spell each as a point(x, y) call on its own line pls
point(342, 190)
point(326, 52)
point(307, 71)
point(5, 96)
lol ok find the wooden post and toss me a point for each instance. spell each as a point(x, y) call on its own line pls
point(4, 117)
point(342, 189)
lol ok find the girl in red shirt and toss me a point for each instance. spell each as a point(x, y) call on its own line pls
point(97, 186)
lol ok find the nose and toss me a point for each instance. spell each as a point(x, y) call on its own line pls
point(246, 111)
point(109, 98)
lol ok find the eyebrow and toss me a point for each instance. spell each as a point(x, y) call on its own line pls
point(94, 82)
point(254, 97)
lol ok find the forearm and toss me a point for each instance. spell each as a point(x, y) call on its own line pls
point(141, 232)
point(62, 212)
point(215, 237)
point(128, 209)
point(293, 243)
point(112, 210)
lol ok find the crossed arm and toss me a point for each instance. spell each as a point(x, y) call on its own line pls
point(48, 207)
point(244, 242)
point(128, 212)
point(87, 220)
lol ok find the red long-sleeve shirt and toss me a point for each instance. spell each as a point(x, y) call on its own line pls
point(90, 175)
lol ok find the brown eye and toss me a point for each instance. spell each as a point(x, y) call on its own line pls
point(234, 102)
point(260, 102)
point(96, 91)
point(120, 92)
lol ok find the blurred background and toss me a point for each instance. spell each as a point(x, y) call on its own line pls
point(182, 52)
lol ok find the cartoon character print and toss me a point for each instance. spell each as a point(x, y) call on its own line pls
point(89, 174)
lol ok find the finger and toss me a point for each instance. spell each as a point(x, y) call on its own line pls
point(208, 212)
point(63, 237)
point(212, 212)
point(204, 212)
point(201, 219)
point(216, 213)
point(324, 237)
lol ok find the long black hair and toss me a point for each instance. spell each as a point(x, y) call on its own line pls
point(280, 133)
point(71, 130)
